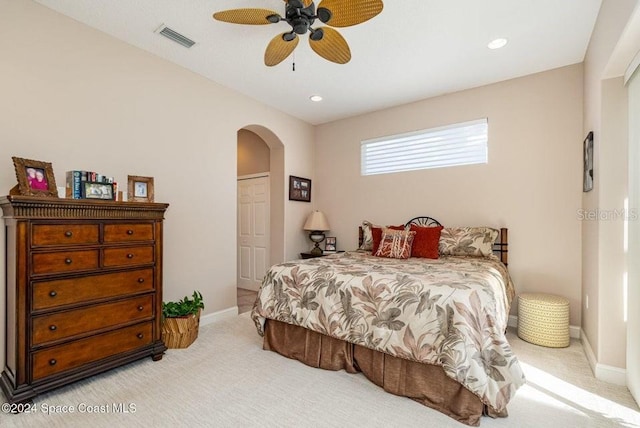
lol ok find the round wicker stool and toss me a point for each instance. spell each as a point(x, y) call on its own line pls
point(543, 319)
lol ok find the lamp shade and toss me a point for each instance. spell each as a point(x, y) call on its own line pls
point(316, 221)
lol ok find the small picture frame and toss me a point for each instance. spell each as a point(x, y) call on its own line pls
point(139, 189)
point(587, 155)
point(35, 178)
point(96, 190)
point(330, 243)
point(299, 189)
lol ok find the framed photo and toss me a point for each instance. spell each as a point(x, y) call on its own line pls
point(139, 189)
point(587, 154)
point(35, 178)
point(95, 190)
point(330, 243)
point(299, 189)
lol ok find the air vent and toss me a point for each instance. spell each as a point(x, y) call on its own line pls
point(175, 36)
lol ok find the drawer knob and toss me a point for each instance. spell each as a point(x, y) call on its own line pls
point(53, 293)
point(140, 280)
point(68, 234)
point(68, 261)
point(140, 307)
point(129, 256)
point(140, 335)
point(53, 328)
point(52, 362)
point(129, 232)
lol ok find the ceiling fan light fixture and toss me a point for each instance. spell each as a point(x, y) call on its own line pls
point(315, 98)
point(497, 43)
point(287, 37)
point(316, 35)
point(324, 14)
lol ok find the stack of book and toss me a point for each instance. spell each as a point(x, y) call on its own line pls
point(75, 187)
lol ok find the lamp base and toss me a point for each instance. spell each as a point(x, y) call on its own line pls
point(316, 236)
point(316, 251)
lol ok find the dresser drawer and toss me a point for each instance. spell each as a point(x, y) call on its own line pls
point(123, 232)
point(64, 261)
point(128, 256)
point(48, 328)
point(72, 355)
point(64, 234)
point(50, 294)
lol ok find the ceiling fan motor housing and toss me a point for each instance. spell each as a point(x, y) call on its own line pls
point(300, 18)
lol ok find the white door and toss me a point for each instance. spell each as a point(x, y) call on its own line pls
point(253, 231)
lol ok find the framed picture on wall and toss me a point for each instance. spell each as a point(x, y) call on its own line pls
point(299, 189)
point(587, 154)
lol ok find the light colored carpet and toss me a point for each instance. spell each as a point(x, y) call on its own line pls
point(225, 379)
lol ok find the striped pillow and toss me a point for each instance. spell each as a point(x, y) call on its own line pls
point(395, 244)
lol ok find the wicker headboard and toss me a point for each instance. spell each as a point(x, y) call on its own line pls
point(500, 248)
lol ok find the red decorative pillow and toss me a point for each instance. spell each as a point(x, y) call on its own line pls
point(395, 244)
point(376, 233)
point(425, 244)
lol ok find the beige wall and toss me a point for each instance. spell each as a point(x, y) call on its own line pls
point(253, 154)
point(532, 183)
point(633, 329)
point(81, 99)
point(603, 253)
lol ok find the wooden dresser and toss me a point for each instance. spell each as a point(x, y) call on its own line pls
point(83, 289)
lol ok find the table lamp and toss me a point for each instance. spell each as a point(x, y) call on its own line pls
point(316, 224)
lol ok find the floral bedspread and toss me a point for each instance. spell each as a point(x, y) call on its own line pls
point(450, 312)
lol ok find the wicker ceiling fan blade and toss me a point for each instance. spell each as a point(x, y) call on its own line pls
point(279, 49)
point(246, 16)
point(345, 13)
point(332, 47)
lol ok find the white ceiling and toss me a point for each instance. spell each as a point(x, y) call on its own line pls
point(413, 50)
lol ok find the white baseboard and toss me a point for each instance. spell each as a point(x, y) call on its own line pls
point(574, 331)
point(603, 372)
point(610, 374)
point(220, 315)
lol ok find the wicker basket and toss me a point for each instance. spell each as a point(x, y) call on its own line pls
point(180, 332)
point(543, 319)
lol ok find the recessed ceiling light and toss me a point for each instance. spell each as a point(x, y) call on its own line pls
point(315, 98)
point(497, 43)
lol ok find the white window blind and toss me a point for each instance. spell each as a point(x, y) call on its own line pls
point(458, 144)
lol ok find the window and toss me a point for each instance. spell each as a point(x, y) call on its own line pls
point(458, 144)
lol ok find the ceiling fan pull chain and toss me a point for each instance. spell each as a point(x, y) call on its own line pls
point(294, 61)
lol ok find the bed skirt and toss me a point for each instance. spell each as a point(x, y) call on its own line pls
point(424, 383)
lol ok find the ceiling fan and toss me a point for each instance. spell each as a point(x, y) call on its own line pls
point(301, 15)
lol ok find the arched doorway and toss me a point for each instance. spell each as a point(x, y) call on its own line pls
point(260, 164)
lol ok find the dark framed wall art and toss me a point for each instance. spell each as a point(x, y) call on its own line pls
point(587, 154)
point(299, 189)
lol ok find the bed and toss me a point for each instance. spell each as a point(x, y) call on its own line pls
point(429, 329)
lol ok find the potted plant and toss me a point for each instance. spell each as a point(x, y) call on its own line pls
point(181, 320)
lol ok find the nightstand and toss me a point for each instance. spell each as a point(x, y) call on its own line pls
point(308, 255)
